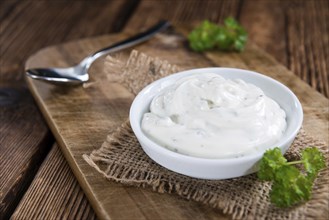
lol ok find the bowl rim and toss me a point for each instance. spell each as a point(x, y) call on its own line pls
point(136, 124)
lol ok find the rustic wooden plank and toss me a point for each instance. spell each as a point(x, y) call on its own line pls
point(265, 23)
point(182, 12)
point(308, 42)
point(295, 33)
point(6, 8)
point(23, 144)
point(54, 193)
point(24, 136)
point(27, 26)
point(32, 25)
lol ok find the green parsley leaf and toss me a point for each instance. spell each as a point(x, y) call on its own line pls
point(270, 163)
point(203, 37)
point(230, 37)
point(313, 161)
point(290, 185)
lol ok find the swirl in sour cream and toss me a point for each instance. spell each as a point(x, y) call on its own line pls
point(207, 116)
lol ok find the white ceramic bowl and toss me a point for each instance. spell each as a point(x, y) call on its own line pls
point(215, 168)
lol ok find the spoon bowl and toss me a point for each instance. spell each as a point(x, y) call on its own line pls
point(72, 75)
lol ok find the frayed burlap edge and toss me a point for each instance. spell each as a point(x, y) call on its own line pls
point(136, 72)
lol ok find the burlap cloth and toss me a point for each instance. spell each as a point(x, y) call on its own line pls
point(121, 159)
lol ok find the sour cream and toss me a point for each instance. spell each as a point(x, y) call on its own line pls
point(208, 116)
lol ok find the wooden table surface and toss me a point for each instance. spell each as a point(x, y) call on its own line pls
point(35, 180)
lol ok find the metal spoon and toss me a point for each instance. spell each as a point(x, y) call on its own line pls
point(79, 74)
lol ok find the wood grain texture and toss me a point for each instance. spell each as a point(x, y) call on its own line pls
point(25, 27)
point(24, 142)
point(80, 119)
point(54, 195)
point(182, 12)
point(308, 42)
point(266, 25)
point(28, 26)
point(23, 145)
point(295, 33)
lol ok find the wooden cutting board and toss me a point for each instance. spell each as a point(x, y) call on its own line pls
point(80, 118)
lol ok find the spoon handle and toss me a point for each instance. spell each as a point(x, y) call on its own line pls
point(134, 40)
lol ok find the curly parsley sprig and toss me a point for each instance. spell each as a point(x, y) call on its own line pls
point(228, 37)
point(290, 185)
